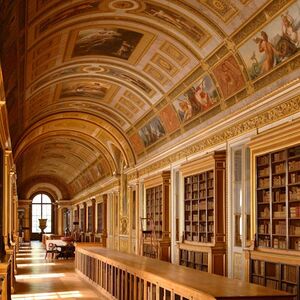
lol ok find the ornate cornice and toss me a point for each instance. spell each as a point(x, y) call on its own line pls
point(274, 114)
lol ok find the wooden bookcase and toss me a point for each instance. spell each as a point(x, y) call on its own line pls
point(156, 225)
point(199, 207)
point(204, 238)
point(278, 199)
point(275, 215)
point(154, 209)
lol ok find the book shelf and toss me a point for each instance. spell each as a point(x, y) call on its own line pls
point(204, 237)
point(154, 209)
point(90, 218)
point(199, 207)
point(278, 199)
point(155, 228)
point(100, 217)
point(275, 214)
point(278, 276)
point(194, 259)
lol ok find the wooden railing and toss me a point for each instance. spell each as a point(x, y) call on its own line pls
point(130, 277)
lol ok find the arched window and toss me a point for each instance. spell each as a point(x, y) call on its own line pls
point(41, 209)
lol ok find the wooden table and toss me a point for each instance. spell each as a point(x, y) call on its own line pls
point(182, 281)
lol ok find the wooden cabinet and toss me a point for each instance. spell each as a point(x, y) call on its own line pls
point(155, 240)
point(204, 239)
point(275, 271)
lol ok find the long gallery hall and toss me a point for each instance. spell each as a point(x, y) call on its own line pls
point(150, 149)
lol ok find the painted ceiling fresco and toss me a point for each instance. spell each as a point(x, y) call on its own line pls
point(128, 76)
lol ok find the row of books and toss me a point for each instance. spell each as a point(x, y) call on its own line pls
point(194, 257)
point(294, 230)
point(294, 193)
point(278, 180)
point(265, 213)
point(279, 168)
point(258, 267)
point(263, 172)
point(289, 273)
point(263, 182)
point(295, 244)
point(279, 156)
point(264, 196)
point(279, 244)
point(197, 178)
point(263, 160)
point(295, 211)
point(264, 228)
point(278, 196)
point(280, 228)
point(294, 178)
point(294, 165)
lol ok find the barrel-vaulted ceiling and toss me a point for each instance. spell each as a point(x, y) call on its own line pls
point(107, 81)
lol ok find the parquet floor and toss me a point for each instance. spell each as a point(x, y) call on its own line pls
point(42, 279)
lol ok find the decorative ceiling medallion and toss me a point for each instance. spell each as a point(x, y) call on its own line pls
point(123, 5)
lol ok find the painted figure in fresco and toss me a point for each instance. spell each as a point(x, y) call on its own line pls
point(185, 110)
point(289, 29)
point(98, 38)
point(202, 97)
point(124, 50)
point(265, 46)
point(230, 78)
point(151, 132)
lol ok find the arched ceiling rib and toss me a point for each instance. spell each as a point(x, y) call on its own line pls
point(125, 76)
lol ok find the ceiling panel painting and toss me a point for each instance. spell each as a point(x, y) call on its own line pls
point(229, 76)
point(85, 89)
point(274, 44)
point(152, 132)
point(169, 119)
point(113, 42)
point(198, 99)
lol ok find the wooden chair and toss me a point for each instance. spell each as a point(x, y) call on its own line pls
point(52, 249)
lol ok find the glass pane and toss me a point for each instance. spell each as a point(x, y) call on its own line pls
point(37, 199)
point(237, 196)
point(36, 215)
point(46, 199)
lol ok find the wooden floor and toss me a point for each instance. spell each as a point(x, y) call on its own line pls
point(42, 279)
